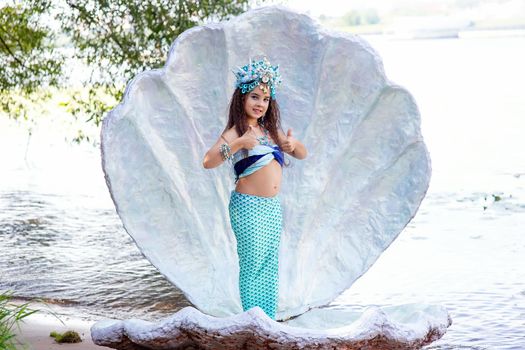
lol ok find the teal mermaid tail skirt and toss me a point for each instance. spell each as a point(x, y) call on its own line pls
point(257, 223)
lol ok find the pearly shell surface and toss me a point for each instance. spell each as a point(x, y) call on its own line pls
point(365, 175)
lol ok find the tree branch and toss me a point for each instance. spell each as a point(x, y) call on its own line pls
point(10, 52)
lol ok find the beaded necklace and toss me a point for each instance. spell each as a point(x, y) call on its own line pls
point(263, 140)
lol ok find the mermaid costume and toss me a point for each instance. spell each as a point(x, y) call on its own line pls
point(257, 223)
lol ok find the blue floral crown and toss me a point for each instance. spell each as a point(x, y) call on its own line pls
point(255, 73)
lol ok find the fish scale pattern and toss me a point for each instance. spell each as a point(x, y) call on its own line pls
point(257, 224)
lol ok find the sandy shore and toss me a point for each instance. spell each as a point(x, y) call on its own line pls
point(33, 333)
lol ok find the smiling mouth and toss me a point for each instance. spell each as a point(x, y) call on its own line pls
point(258, 110)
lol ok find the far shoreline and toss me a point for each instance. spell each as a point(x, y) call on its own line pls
point(418, 33)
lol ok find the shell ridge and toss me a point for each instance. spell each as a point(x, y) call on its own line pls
point(321, 248)
point(313, 209)
point(291, 216)
point(402, 154)
point(190, 116)
point(127, 226)
point(313, 219)
point(151, 143)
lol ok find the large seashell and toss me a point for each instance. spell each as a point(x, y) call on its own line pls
point(365, 176)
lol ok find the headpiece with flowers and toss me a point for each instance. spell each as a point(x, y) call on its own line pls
point(257, 72)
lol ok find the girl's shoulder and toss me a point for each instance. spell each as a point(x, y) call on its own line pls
point(230, 134)
point(233, 131)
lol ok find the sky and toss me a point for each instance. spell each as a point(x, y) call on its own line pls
point(337, 8)
point(333, 7)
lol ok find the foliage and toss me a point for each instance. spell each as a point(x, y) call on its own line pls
point(28, 57)
point(10, 315)
point(371, 16)
point(360, 17)
point(125, 37)
point(66, 337)
point(115, 39)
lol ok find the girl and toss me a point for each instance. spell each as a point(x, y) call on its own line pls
point(254, 143)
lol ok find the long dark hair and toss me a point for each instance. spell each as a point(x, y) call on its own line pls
point(271, 121)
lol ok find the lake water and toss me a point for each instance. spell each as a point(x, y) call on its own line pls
point(62, 240)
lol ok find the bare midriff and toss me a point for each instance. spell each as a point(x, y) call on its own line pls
point(265, 182)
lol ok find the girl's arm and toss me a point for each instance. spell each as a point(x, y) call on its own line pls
point(213, 157)
point(299, 151)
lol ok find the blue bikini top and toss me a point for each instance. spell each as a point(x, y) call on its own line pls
point(246, 162)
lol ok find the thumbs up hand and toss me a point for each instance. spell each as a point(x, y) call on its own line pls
point(249, 139)
point(290, 142)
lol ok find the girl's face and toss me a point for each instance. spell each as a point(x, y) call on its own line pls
point(256, 102)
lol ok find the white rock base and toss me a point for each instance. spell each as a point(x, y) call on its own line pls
point(409, 326)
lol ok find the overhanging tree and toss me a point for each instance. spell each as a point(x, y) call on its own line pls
point(115, 39)
point(28, 59)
